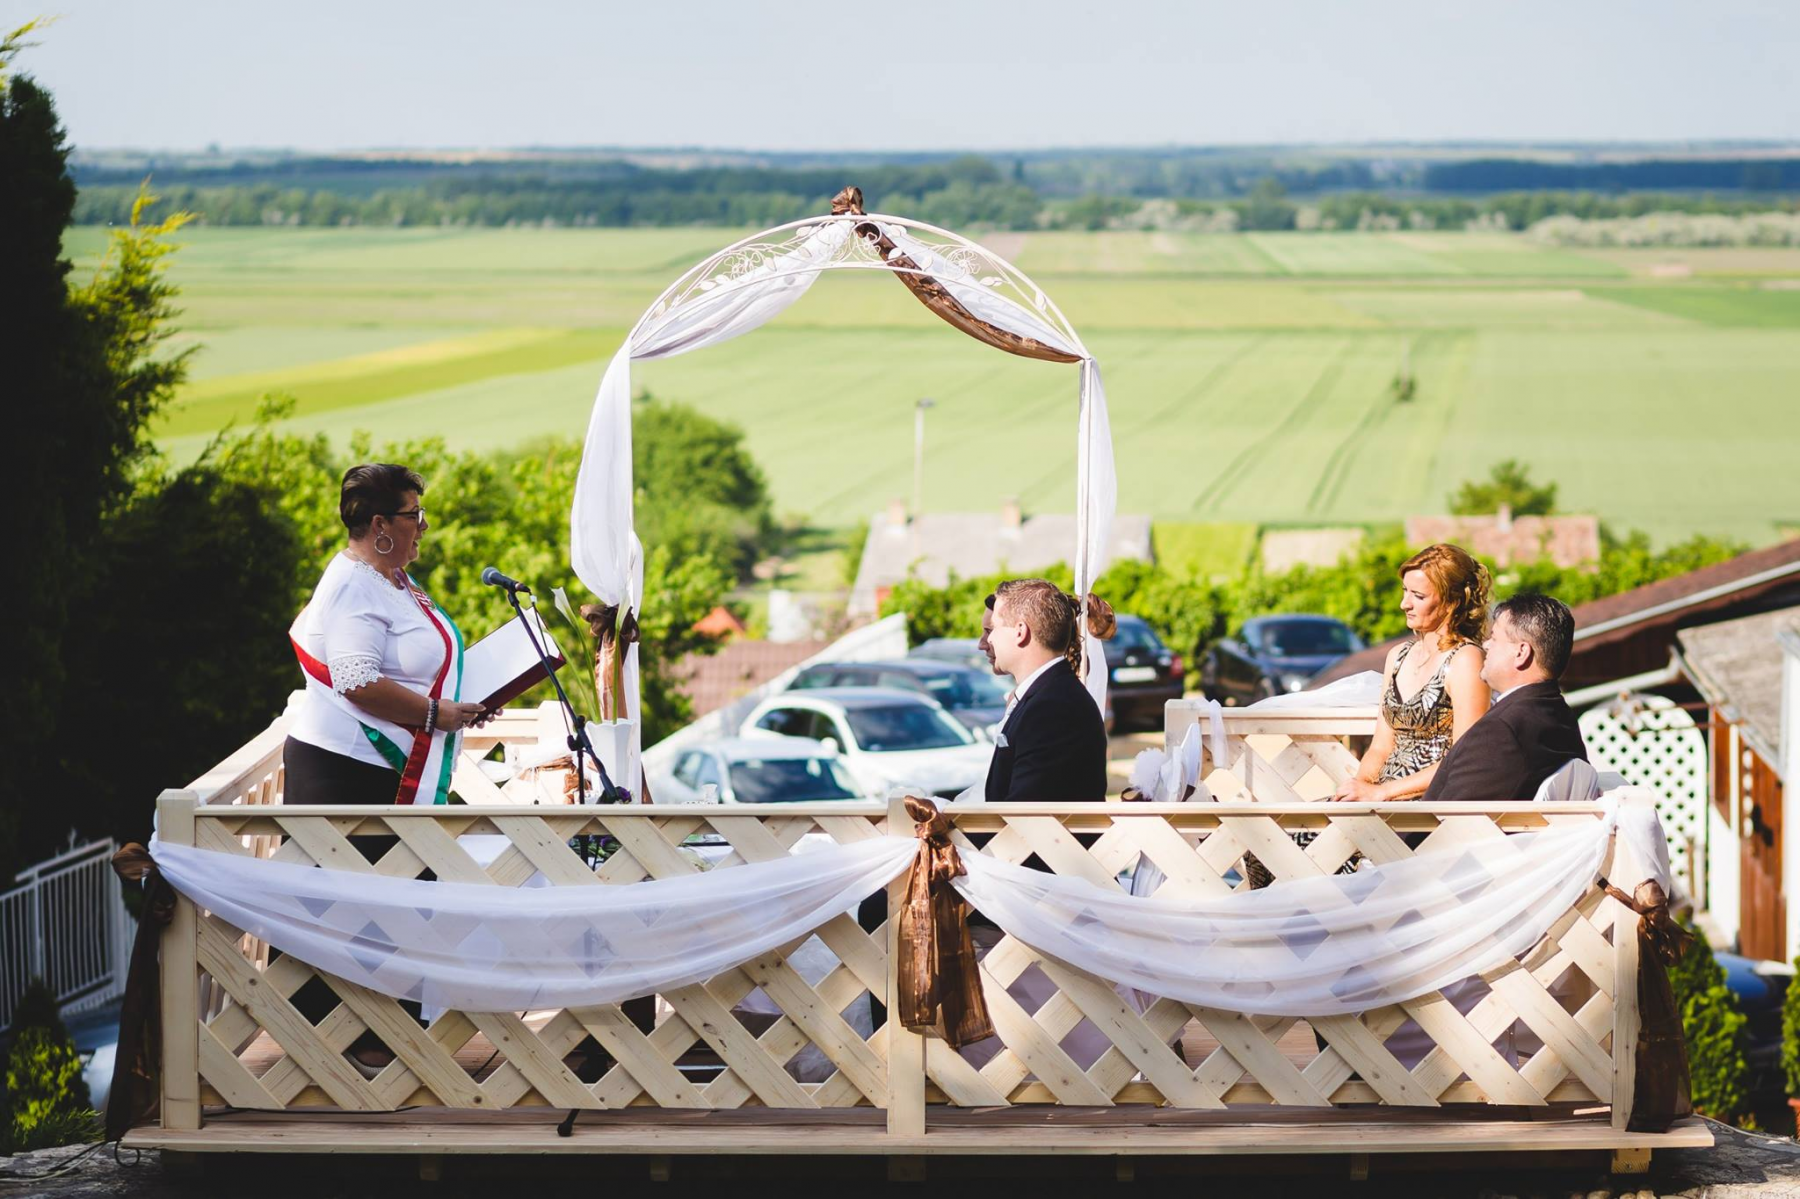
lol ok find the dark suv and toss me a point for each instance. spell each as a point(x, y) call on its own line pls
point(1144, 675)
point(975, 697)
point(1273, 655)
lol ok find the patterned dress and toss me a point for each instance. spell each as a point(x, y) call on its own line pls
point(1421, 725)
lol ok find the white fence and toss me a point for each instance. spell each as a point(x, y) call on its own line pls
point(66, 924)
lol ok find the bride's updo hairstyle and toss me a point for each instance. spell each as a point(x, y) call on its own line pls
point(1462, 583)
point(1053, 616)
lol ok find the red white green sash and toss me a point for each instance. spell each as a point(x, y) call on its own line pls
point(429, 758)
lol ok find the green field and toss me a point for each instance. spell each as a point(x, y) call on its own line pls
point(1248, 375)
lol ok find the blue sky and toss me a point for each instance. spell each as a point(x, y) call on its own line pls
point(327, 74)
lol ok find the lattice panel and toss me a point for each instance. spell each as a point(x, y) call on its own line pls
point(1559, 996)
point(1653, 742)
point(259, 1051)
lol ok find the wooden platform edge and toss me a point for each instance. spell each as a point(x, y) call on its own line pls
point(328, 1134)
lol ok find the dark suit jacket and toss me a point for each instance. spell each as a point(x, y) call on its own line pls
point(1514, 747)
point(1055, 749)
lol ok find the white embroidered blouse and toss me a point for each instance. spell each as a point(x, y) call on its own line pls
point(362, 628)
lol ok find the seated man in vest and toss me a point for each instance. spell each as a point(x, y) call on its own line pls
point(1529, 733)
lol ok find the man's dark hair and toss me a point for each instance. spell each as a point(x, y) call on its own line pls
point(1545, 622)
point(374, 489)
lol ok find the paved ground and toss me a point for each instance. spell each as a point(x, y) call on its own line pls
point(1740, 1166)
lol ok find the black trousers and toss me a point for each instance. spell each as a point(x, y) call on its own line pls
point(319, 776)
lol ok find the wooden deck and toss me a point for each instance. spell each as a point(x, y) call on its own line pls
point(245, 1072)
point(1038, 1130)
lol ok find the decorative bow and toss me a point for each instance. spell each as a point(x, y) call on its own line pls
point(136, 1066)
point(938, 981)
point(1658, 932)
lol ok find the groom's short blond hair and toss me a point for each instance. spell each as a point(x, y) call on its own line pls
point(1043, 607)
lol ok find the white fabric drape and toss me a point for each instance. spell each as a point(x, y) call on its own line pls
point(1326, 946)
point(479, 948)
point(1323, 946)
point(603, 549)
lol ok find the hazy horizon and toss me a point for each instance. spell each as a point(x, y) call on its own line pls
point(711, 77)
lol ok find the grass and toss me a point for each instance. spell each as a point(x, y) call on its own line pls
point(1247, 375)
point(1204, 551)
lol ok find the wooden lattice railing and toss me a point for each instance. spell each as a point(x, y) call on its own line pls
point(1575, 991)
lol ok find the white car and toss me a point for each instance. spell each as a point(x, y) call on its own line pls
point(757, 770)
point(887, 738)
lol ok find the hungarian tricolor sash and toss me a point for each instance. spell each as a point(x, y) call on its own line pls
point(424, 758)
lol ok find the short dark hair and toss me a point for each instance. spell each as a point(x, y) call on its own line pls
point(1545, 622)
point(374, 489)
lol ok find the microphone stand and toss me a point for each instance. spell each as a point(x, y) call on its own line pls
point(579, 744)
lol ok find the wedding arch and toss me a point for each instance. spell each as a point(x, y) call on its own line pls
point(750, 282)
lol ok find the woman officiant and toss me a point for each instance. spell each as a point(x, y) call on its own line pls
point(383, 664)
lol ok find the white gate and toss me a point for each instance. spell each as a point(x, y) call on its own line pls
point(66, 924)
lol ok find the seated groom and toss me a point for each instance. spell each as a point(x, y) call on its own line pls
point(1052, 744)
point(1529, 733)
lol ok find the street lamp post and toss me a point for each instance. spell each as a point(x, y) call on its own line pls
point(919, 454)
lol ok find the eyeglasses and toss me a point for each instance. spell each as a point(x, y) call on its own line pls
point(416, 514)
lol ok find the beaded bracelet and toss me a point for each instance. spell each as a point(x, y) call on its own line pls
point(431, 711)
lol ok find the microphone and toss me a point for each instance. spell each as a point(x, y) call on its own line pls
point(494, 578)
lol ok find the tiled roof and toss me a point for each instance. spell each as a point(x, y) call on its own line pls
point(1737, 665)
point(976, 543)
point(1565, 540)
point(711, 681)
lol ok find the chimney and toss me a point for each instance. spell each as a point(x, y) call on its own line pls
point(896, 514)
point(1010, 516)
point(1503, 518)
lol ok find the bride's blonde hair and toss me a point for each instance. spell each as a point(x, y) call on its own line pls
point(1461, 583)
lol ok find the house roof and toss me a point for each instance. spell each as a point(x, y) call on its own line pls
point(1504, 540)
point(1737, 665)
point(712, 681)
point(934, 544)
point(1666, 605)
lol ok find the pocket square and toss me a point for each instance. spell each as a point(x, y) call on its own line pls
point(1000, 741)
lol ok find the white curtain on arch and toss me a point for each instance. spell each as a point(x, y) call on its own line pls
point(604, 549)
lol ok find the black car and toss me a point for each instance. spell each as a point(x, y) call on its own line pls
point(1273, 655)
point(1145, 675)
point(975, 697)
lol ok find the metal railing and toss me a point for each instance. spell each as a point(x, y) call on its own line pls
point(66, 923)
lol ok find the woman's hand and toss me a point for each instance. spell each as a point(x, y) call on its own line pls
point(1357, 790)
point(453, 715)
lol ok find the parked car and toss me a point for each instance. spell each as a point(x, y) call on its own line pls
point(758, 770)
point(884, 737)
point(1145, 675)
point(963, 651)
point(1271, 655)
point(977, 698)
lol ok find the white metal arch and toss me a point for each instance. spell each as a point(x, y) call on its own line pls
point(1006, 281)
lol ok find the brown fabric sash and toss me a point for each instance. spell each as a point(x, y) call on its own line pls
point(937, 979)
point(936, 296)
point(1662, 1093)
point(137, 1079)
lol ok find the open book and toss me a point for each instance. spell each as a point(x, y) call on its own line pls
point(504, 664)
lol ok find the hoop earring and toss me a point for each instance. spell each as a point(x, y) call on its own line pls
point(379, 538)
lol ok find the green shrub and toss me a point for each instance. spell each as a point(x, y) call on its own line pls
point(1714, 1027)
point(1790, 1034)
point(46, 1101)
